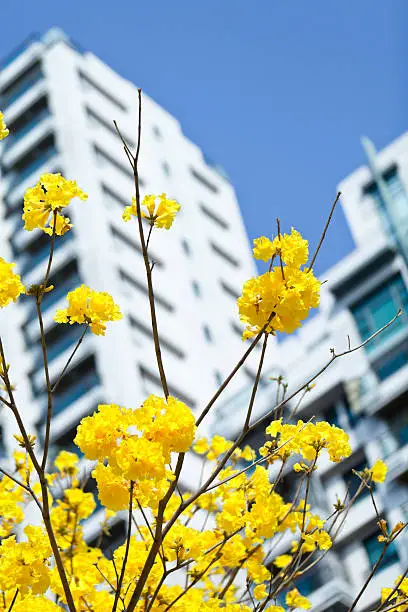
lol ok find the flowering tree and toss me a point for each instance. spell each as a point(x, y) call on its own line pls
point(214, 548)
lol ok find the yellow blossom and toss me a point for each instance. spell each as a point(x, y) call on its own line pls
point(50, 195)
point(160, 215)
point(86, 306)
point(10, 284)
point(295, 600)
point(260, 592)
point(4, 132)
point(378, 471)
point(282, 560)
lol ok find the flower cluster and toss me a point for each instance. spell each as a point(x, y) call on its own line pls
point(135, 445)
point(93, 308)
point(10, 284)
point(4, 132)
point(280, 299)
point(391, 597)
point(160, 214)
point(47, 198)
point(307, 440)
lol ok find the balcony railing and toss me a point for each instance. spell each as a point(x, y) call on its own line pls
point(20, 89)
point(70, 338)
point(74, 393)
point(55, 295)
point(31, 261)
point(15, 137)
point(17, 177)
point(9, 59)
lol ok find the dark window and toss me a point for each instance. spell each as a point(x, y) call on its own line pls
point(196, 288)
point(226, 256)
point(108, 125)
point(27, 120)
point(218, 378)
point(186, 247)
point(143, 289)
point(207, 333)
point(165, 344)
point(392, 363)
point(213, 216)
point(124, 169)
point(378, 307)
point(166, 168)
point(111, 196)
point(21, 84)
point(134, 245)
point(353, 482)
point(374, 549)
point(38, 152)
point(157, 133)
point(89, 81)
point(204, 181)
point(65, 442)
point(153, 378)
point(228, 289)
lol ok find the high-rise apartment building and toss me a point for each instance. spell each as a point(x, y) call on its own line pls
point(59, 104)
point(365, 392)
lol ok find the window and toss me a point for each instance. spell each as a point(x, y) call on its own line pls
point(196, 288)
point(378, 308)
point(21, 84)
point(218, 378)
point(213, 216)
point(207, 333)
point(104, 158)
point(152, 381)
point(186, 247)
point(96, 119)
point(392, 363)
point(204, 181)
point(156, 131)
point(110, 197)
point(229, 290)
point(146, 331)
point(31, 161)
point(76, 383)
point(374, 549)
point(166, 168)
point(88, 82)
point(65, 442)
point(27, 120)
point(224, 255)
point(353, 482)
point(121, 238)
point(135, 284)
point(108, 542)
point(393, 212)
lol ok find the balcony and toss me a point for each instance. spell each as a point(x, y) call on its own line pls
point(56, 294)
point(30, 261)
point(73, 393)
point(69, 339)
point(15, 137)
point(33, 76)
point(9, 59)
point(18, 176)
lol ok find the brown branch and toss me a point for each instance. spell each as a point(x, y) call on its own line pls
point(324, 232)
point(125, 558)
point(255, 385)
point(66, 366)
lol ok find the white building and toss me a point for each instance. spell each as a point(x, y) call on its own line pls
point(59, 105)
point(365, 392)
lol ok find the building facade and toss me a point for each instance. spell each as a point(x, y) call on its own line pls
point(59, 104)
point(365, 392)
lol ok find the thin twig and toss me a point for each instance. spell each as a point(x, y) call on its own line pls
point(66, 366)
point(125, 558)
point(324, 232)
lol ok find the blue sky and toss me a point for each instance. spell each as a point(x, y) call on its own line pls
point(279, 93)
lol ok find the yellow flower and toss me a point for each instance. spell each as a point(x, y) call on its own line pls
point(378, 471)
point(292, 248)
point(282, 560)
point(10, 284)
point(66, 463)
point(88, 306)
point(260, 592)
point(201, 446)
point(4, 132)
point(295, 600)
point(50, 195)
point(161, 215)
